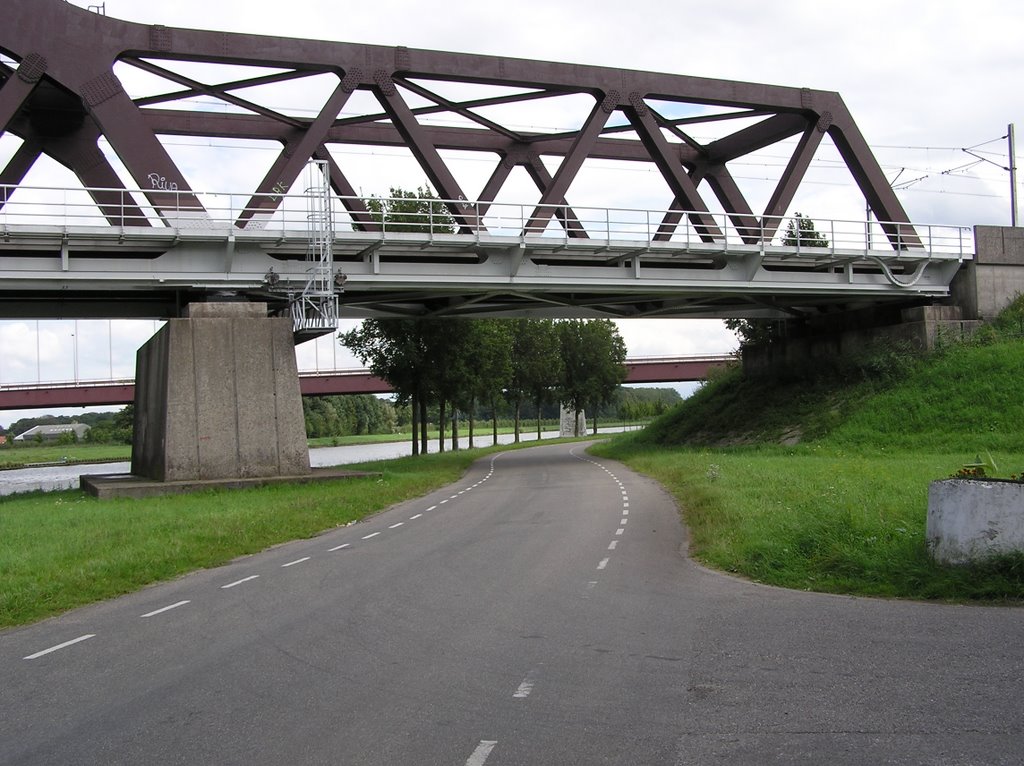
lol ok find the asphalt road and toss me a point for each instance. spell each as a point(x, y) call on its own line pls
point(541, 611)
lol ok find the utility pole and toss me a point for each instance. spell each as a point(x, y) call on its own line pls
point(1013, 175)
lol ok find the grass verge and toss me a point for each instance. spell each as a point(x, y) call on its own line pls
point(818, 518)
point(20, 457)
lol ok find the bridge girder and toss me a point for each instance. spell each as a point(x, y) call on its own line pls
point(60, 98)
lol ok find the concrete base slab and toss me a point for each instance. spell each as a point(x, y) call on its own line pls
point(105, 486)
point(972, 519)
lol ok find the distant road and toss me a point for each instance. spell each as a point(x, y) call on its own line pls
point(540, 611)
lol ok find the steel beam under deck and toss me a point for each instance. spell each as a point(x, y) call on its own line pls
point(61, 271)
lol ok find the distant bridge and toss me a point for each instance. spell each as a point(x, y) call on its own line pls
point(323, 383)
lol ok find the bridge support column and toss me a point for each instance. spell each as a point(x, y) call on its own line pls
point(217, 397)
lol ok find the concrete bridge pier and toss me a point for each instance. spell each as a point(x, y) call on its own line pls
point(217, 397)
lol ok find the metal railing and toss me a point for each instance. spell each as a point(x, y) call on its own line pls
point(160, 210)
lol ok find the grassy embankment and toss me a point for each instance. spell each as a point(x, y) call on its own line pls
point(844, 509)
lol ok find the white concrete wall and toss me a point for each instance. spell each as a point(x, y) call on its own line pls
point(971, 519)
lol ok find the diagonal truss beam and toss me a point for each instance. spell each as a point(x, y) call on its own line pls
point(554, 194)
point(566, 217)
point(20, 163)
point(291, 161)
point(19, 86)
point(794, 173)
point(679, 181)
point(426, 154)
point(196, 88)
point(362, 218)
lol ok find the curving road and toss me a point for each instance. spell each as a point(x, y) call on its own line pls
point(541, 611)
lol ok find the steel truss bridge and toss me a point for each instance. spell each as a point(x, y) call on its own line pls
point(139, 240)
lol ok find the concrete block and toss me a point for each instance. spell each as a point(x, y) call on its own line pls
point(217, 403)
point(1013, 245)
point(972, 519)
point(999, 245)
point(997, 286)
point(290, 422)
point(217, 397)
point(179, 455)
point(226, 310)
point(569, 426)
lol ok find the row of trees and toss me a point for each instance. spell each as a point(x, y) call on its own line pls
point(353, 414)
point(457, 364)
point(104, 427)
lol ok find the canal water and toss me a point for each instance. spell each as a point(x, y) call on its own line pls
point(51, 478)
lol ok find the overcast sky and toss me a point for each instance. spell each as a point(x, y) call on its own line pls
point(922, 80)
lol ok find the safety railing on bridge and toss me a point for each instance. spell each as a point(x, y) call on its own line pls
point(160, 210)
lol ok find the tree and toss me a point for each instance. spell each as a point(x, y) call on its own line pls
point(491, 369)
point(594, 356)
point(536, 366)
point(801, 231)
point(400, 350)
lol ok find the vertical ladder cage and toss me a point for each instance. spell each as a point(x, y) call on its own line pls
point(315, 310)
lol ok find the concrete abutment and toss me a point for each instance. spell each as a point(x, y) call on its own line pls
point(981, 289)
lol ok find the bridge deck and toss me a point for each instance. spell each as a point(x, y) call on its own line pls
point(615, 264)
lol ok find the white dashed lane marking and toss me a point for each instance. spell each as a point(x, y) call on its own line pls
point(479, 756)
point(166, 609)
point(603, 563)
point(238, 582)
point(338, 547)
point(372, 534)
point(526, 686)
point(58, 647)
point(297, 561)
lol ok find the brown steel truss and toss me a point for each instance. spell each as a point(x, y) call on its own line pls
point(61, 97)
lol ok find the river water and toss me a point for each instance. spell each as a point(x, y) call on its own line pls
point(51, 478)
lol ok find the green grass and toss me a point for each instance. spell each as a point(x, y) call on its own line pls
point(11, 457)
point(844, 509)
point(816, 518)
